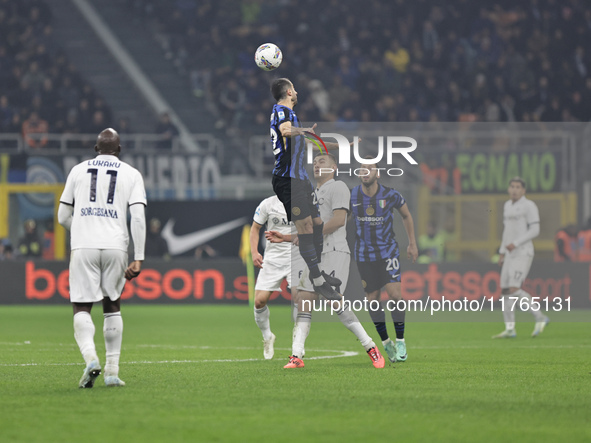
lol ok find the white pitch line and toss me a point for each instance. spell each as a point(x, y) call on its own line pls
point(229, 360)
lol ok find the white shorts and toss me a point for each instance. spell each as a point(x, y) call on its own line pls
point(334, 263)
point(515, 270)
point(271, 276)
point(96, 274)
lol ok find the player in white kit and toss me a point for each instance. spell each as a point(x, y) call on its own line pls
point(333, 198)
point(281, 261)
point(93, 207)
point(522, 224)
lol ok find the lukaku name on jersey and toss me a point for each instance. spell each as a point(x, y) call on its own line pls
point(104, 163)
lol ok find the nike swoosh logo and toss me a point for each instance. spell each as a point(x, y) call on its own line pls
point(394, 276)
point(357, 204)
point(177, 244)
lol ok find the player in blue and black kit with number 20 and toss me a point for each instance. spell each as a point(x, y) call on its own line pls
point(292, 184)
point(376, 251)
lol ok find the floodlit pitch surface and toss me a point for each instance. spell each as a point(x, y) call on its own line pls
point(196, 373)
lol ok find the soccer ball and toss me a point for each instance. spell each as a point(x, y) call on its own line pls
point(268, 57)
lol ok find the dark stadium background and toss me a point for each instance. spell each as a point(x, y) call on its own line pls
point(178, 81)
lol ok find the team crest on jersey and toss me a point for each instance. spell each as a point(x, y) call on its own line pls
point(382, 204)
point(364, 283)
point(370, 210)
point(275, 220)
point(295, 210)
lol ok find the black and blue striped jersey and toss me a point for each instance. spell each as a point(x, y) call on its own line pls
point(289, 152)
point(374, 223)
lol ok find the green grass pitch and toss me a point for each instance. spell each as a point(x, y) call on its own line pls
point(196, 373)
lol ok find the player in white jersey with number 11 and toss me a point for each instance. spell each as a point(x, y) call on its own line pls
point(93, 207)
point(522, 224)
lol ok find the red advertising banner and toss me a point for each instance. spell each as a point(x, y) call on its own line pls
point(225, 281)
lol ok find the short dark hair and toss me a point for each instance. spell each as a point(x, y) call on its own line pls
point(279, 88)
point(328, 154)
point(518, 179)
point(369, 157)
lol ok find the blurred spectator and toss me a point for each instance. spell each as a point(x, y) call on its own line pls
point(204, 252)
point(505, 59)
point(432, 244)
point(156, 246)
point(167, 130)
point(48, 241)
point(232, 101)
point(397, 57)
point(450, 235)
point(6, 251)
point(584, 245)
point(566, 244)
point(35, 75)
point(123, 126)
point(6, 113)
point(30, 245)
point(496, 256)
point(35, 131)
point(98, 122)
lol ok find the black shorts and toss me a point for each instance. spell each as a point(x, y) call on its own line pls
point(297, 197)
point(376, 274)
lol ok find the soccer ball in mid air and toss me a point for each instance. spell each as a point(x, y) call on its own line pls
point(268, 57)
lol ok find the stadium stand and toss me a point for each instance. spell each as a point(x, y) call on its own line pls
point(385, 61)
point(39, 88)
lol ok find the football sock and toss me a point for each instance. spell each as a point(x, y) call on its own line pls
point(398, 319)
point(84, 335)
point(261, 317)
point(318, 240)
point(537, 314)
point(378, 317)
point(303, 324)
point(508, 314)
point(113, 332)
point(351, 322)
point(399, 327)
point(308, 253)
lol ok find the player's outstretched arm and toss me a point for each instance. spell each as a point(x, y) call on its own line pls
point(331, 146)
point(64, 215)
point(289, 130)
point(412, 249)
point(277, 237)
point(257, 258)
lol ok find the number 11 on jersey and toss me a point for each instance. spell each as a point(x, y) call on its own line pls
point(93, 180)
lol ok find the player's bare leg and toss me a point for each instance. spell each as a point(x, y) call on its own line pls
point(84, 335)
point(261, 317)
point(113, 332)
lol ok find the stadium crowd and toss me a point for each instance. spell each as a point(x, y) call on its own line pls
point(423, 60)
point(40, 90)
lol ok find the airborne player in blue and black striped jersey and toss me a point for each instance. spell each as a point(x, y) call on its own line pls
point(376, 250)
point(292, 184)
